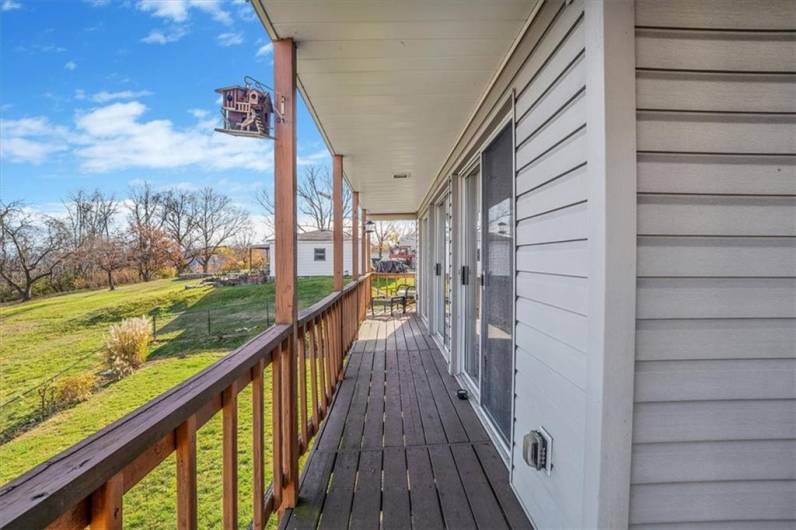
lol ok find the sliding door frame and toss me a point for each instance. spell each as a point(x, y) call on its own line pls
point(476, 160)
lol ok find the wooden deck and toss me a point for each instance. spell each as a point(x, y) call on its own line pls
point(399, 449)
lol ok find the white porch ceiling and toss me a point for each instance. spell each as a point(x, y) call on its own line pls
point(393, 83)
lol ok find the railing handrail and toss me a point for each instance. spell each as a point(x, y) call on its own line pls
point(41, 495)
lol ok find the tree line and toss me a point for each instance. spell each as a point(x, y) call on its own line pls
point(102, 240)
point(137, 239)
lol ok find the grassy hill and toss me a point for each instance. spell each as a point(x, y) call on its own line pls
point(42, 337)
point(51, 338)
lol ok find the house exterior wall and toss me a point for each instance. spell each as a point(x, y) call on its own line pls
point(552, 256)
point(714, 433)
point(305, 258)
point(655, 260)
point(560, 256)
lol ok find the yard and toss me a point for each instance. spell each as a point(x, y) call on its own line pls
point(65, 333)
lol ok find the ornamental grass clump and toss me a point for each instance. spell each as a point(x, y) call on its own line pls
point(127, 345)
point(74, 389)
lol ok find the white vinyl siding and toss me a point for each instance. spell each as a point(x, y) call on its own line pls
point(552, 248)
point(715, 387)
point(306, 263)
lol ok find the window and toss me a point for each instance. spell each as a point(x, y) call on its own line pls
point(320, 254)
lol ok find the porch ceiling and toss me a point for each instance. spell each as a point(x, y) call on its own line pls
point(392, 84)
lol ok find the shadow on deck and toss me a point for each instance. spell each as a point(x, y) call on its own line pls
point(398, 449)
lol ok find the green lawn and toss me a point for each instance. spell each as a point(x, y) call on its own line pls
point(63, 335)
point(69, 327)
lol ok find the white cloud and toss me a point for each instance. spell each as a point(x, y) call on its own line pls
point(10, 5)
point(32, 140)
point(230, 39)
point(265, 49)
point(157, 36)
point(105, 97)
point(70, 65)
point(178, 10)
point(117, 137)
point(314, 158)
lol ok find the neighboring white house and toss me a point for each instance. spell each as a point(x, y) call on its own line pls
point(314, 254)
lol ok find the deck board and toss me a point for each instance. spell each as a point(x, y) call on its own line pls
point(398, 449)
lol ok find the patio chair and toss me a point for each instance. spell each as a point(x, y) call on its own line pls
point(407, 293)
point(384, 299)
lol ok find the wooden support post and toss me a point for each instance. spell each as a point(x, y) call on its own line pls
point(106, 505)
point(337, 220)
point(365, 243)
point(285, 241)
point(230, 457)
point(258, 445)
point(355, 235)
point(186, 475)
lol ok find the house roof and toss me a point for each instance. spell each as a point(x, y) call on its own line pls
point(392, 85)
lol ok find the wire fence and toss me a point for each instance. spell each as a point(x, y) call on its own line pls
point(174, 332)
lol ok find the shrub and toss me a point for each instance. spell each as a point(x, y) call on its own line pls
point(74, 389)
point(127, 344)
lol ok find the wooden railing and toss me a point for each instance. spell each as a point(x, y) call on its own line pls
point(390, 280)
point(85, 484)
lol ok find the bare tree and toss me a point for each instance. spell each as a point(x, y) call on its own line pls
point(179, 223)
point(217, 222)
point(267, 203)
point(314, 194)
point(30, 248)
point(315, 198)
point(89, 218)
point(151, 248)
point(385, 233)
point(110, 255)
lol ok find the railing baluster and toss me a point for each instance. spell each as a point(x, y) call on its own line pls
point(329, 357)
point(276, 423)
point(186, 474)
point(106, 505)
point(301, 343)
point(258, 445)
point(322, 364)
point(289, 429)
point(314, 374)
point(230, 457)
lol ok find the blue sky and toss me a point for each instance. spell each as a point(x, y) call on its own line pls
point(104, 94)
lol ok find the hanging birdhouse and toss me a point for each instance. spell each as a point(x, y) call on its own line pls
point(247, 110)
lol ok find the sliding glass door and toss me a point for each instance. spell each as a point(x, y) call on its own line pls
point(497, 262)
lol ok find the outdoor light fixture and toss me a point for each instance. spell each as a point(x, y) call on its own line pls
point(370, 227)
point(247, 110)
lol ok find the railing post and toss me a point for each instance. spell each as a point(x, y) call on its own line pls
point(106, 505)
point(229, 447)
point(285, 241)
point(186, 474)
point(258, 445)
